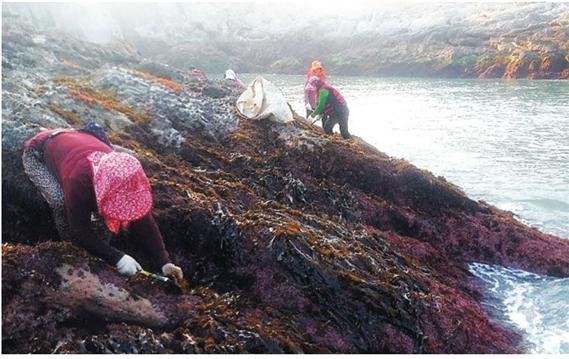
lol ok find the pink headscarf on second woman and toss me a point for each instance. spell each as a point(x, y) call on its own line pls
point(310, 92)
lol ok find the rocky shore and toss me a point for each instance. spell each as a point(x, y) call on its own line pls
point(292, 241)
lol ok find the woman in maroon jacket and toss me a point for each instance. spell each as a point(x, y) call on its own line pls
point(331, 105)
point(83, 179)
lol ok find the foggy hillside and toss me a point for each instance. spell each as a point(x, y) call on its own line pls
point(446, 39)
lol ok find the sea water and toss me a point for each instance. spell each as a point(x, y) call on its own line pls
point(504, 142)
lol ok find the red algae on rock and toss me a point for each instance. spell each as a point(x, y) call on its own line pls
point(276, 264)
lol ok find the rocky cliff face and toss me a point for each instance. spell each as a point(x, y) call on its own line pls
point(291, 240)
point(501, 40)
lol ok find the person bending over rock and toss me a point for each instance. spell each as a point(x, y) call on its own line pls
point(331, 106)
point(232, 78)
point(85, 180)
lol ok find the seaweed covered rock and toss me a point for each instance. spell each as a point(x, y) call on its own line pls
point(292, 241)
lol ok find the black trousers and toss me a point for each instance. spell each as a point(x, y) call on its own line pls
point(338, 117)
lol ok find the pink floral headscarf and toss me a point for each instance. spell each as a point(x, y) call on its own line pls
point(122, 189)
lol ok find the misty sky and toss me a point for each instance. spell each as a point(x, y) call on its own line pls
point(104, 22)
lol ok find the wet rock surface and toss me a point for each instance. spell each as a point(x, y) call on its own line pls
point(292, 241)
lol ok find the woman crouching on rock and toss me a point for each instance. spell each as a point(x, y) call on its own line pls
point(332, 107)
point(83, 178)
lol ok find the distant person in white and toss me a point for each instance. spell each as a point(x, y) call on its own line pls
point(230, 75)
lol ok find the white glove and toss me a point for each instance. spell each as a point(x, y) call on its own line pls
point(128, 265)
point(308, 107)
point(171, 270)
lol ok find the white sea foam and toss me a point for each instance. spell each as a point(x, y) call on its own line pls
point(537, 305)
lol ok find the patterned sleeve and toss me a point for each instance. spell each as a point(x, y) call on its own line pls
point(48, 186)
point(42, 177)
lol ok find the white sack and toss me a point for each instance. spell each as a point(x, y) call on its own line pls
point(262, 99)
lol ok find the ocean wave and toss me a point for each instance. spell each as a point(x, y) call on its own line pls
point(536, 305)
